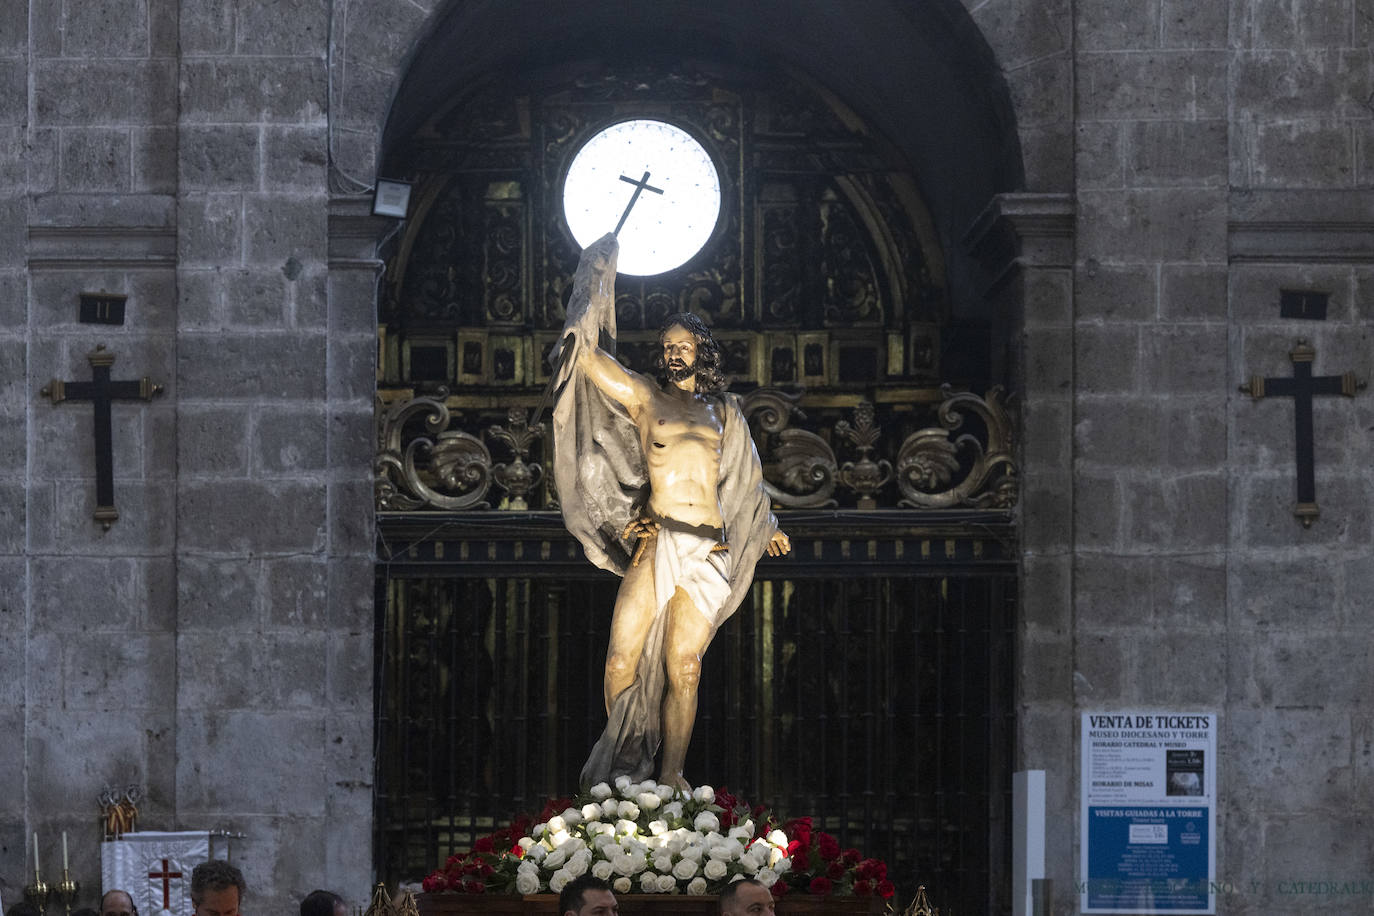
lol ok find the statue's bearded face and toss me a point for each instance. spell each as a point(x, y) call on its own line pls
point(679, 353)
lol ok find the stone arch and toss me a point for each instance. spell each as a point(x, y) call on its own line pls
point(922, 74)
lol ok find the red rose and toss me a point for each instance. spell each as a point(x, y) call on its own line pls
point(518, 851)
point(728, 819)
point(476, 887)
point(485, 844)
point(433, 883)
point(873, 869)
point(726, 800)
point(852, 856)
point(862, 888)
point(486, 871)
point(799, 828)
point(452, 861)
point(801, 860)
point(885, 889)
point(821, 887)
point(835, 870)
point(827, 846)
point(779, 889)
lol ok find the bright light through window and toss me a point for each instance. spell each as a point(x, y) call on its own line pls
point(674, 213)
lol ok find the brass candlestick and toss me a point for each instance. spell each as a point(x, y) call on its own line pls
point(37, 893)
point(66, 891)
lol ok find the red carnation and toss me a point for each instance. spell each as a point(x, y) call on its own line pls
point(862, 888)
point(885, 889)
point(821, 887)
point(827, 846)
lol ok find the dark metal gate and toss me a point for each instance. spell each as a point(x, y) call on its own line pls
point(882, 706)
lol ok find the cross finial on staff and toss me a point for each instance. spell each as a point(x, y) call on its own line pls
point(640, 185)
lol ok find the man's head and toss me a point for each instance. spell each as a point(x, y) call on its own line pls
point(587, 895)
point(216, 889)
point(117, 903)
point(745, 896)
point(323, 903)
point(686, 349)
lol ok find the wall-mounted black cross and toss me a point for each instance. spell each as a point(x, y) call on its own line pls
point(102, 391)
point(1302, 387)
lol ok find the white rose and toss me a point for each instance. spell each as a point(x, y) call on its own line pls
point(748, 826)
point(527, 882)
point(697, 887)
point(704, 794)
point(716, 869)
point(648, 801)
point(783, 866)
point(591, 812)
point(724, 852)
point(572, 817)
point(536, 852)
point(600, 791)
point(751, 861)
point(555, 859)
point(556, 823)
point(666, 884)
point(558, 880)
point(622, 781)
point(663, 864)
point(577, 866)
point(685, 869)
point(602, 869)
point(525, 843)
point(706, 822)
point(775, 859)
point(538, 830)
point(602, 841)
point(673, 809)
point(778, 838)
point(676, 844)
point(648, 882)
point(665, 793)
point(626, 826)
point(629, 810)
point(739, 833)
point(766, 876)
point(609, 807)
point(624, 865)
point(622, 885)
point(658, 828)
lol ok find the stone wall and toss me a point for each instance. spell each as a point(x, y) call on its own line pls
point(215, 644)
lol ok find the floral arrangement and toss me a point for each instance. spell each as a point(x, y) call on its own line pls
point(647, 838)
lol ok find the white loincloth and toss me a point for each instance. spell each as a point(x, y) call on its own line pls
point(686, 560)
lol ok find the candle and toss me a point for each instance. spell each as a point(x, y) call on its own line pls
point(64, 852)
point(35, 857)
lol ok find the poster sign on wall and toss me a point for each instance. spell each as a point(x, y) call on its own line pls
point(1148, 808)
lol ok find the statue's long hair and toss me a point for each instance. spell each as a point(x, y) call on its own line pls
point(710, 378)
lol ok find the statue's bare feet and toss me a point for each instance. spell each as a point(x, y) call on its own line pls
point(677, 782)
